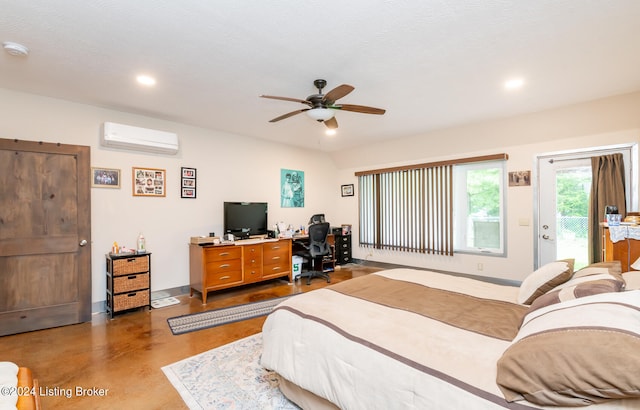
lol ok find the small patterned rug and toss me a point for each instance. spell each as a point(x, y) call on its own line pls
point(228, 377)
point(211, 318)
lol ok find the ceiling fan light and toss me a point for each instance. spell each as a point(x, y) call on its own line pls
point(321, 114)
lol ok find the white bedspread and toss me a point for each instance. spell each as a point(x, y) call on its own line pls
point(363, 355)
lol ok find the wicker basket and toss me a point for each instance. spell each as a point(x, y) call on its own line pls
point(130, 300)
point(136, 264)
point(130, 282)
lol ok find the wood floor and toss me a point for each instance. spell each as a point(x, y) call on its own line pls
point(123, 356)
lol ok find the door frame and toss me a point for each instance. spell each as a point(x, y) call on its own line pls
point(631, 184)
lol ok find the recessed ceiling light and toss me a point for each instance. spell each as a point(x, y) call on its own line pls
point(146, 80)
point(15, 49)
point(514, 83)
point(330, 132)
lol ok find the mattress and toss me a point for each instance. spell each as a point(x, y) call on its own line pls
point(400, 338)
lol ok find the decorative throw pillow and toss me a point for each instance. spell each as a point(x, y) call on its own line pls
point(575, 353)
point(611, 267)
point(578, 290)
point(632, 279)
point(544, 279)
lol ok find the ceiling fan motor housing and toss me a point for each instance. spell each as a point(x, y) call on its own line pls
point(320, 84)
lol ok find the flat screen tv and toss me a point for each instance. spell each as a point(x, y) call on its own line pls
point(243, 219)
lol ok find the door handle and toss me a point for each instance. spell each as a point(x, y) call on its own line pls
point(545, 236)
point(83, 242)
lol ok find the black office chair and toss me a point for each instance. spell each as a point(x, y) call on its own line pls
point(315, 251)
point(316, 219)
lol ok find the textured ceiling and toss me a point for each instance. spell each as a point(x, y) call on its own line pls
point(430, 64)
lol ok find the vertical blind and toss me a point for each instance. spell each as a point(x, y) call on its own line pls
point(410, 208)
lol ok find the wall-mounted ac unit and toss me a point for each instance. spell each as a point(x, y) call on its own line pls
point(138, 139)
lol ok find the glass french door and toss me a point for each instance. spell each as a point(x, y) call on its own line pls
point(564, 210)
point(563, 187)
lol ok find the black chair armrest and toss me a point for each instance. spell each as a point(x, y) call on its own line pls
point(303, 244)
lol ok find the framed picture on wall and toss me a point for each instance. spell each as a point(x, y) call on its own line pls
point(520, 178)
point(291, 188)
point(149, 181)
point(105, 177)
point(347, 190)
point(188, 183)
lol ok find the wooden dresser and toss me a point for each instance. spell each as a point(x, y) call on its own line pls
point(626, 250)
point(213, 267)
point(128, 282)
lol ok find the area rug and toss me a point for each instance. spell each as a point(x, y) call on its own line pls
point(228, 377)
point(211, 318)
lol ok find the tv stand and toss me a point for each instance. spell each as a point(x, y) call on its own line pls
point(214, 267)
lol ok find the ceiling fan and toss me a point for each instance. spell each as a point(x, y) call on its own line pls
point(322, 107)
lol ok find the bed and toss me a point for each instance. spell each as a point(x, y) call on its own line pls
point(406, 338)
point(18, 388)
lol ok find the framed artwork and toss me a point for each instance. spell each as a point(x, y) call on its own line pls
point(291, 188)
point(149, 181)
point(105, 177)
point(520, 178)
point(347, 190)
point(188, 183)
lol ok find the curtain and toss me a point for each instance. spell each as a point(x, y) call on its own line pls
point(607, 188)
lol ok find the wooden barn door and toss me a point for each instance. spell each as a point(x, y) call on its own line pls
point(45, 235)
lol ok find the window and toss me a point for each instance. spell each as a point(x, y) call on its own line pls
point(478, 211)
point(435, 208)
point(407, 210)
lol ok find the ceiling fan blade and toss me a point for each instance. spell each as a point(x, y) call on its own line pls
point(359, 108)
point(331, 123)
point(290, 114)
point(274, 97)
point(337, 93)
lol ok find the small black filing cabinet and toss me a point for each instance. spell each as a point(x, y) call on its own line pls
point(343, 246)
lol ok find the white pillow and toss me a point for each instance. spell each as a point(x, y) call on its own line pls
point(632, 279)
point(8, 379)
point(544, 279)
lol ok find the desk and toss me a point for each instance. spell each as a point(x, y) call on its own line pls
point(328, 263)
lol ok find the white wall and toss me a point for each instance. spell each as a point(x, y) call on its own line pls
point(232, 167)
point(603, 122)
point(229, 168)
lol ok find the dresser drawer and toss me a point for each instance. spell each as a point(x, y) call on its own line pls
point(275, 252)
point(222, 266)
point(252, 264)
point(223, 253)
point(280, 246)
point(252, 256)
point(129, 282)
point(221, 278)
point(130, 265)
point(276, 269)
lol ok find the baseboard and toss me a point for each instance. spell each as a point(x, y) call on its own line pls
point(101, 306)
